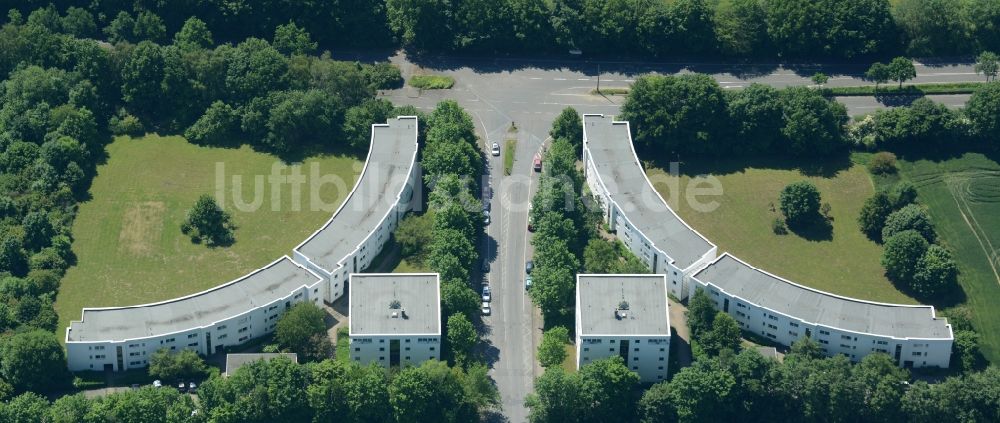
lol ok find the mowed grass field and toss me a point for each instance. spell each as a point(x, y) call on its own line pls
point(963, 197)
point(128, 241)
point(842, 261)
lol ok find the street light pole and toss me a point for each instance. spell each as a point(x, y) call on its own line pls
point(598, 77)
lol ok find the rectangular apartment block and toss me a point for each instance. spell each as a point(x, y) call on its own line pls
point(395, 318)
point(624, 316)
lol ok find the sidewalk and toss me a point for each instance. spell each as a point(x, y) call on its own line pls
point(681, 335)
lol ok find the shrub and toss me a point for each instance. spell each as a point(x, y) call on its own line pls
point(208, 221)
point(432, 82)
point(883, 163)
point(902, 255)
point(778, 226)
point(382, 76)
point(126, 124)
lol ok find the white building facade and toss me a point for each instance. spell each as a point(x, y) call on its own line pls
point(783, 312)
point(123, 338)
point(395, 318)
point(632, 208)
point(624, 316)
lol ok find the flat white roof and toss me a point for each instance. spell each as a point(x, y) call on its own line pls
point(391, 156)
point(373, 296)
point(758, 287)
point(610, 145)
point(623, 305)
point(275, 281)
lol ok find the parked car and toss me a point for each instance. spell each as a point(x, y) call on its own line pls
point(531, 222)
point(537, 163)
point(486, 294)
point(486, 266)
point(486, 217)
point(192, 387)
point(486, 309)
point(135, 386)
point(527, 282)
point(486, 205)
point(529, 266)
point(181, 387)
point(496, 149)
point(157, 383)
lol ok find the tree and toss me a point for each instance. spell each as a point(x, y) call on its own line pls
point(911, 217)
point(149, 27)
point(598, 256)
point(193, 35)
point(557, 397)
point(657, 405)
point(813, 124)
point(414, 233)
point(874, 212)
point(141, 76)
point(261, 391)
point(700, 313)
point(740, 28)
point(988, 64)
point(422, 24)
point(348, 392)
point(457, 297)
point(902, 254)
point(218, 126)
point(820, 78)
point(302, 330)
point(800, 202)
point(37, 231)
point(79, 23)
point(901, 69)
point(568, 126)
point(965, 354)
point(932, 27)
point(254, 68)
point(28, 407)
point(430, 393)
point(32, 360)
point(878, 73)
point(882, 163)
point(209, 221)
point(461, 336)
point(725, 334)
point(936, 273)
point(289, 39)
point(983, 110)
point(12, 257)
point(675, 113)
point(552, 350)
point(757, 118)
point(182, 365)
point(701, 391)
point(607, 386)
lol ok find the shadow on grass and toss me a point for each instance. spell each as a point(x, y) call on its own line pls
point(816, 228)
point(692, 166)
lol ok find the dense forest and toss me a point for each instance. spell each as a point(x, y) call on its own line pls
point(830, 29)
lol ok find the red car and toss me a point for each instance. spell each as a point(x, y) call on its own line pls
point(538, 163)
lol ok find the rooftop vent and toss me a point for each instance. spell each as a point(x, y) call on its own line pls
point(402, 313)
point(394, 304)
point(623, 305)
point(621, 314)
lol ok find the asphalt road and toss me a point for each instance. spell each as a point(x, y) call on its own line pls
point(529, 94)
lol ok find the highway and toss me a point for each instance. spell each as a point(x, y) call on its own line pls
point(529, 94)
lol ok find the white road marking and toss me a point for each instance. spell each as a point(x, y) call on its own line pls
point(583, 79)
point(559, 79)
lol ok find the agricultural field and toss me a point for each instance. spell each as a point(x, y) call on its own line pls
point(839, 260)
point(963, 197)
point(128, 242)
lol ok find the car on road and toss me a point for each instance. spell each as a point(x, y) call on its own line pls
point(486, 265)
point(486, 294)
point(495, 149)
point(528, 266)
point(486, 217)
point(527, 282)
point(537, 163)
point(157, 383)
point(486, 309)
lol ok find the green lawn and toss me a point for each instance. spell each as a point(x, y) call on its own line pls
point(963, 197)
point(128, 241)
point(842, 261)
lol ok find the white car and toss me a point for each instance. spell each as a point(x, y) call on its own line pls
point(496, 149)
point(486, 217)
point(486, 294)
point(486, 309)
point(157, 383)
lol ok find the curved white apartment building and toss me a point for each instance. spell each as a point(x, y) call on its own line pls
point(121, 338)
point(762, 303)
point(355, 234)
